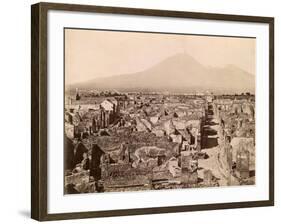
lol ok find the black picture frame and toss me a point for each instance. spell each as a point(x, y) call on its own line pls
point(39, 107)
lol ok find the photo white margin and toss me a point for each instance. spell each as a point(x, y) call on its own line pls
point(60, 203)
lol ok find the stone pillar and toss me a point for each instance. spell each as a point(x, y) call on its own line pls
point(208, 176)
point(228, 154)
point(189, 170)
point(95, 168)
point(243, 162)
point(94, 125)
point(102, 115)
point(105, 161)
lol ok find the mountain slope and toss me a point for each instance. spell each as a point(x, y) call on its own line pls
point(179, 73)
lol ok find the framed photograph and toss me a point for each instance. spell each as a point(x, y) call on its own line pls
point(141, 111)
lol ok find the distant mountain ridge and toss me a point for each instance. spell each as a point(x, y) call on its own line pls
point(178, 73)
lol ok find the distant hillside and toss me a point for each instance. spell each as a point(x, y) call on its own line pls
point(179, 73)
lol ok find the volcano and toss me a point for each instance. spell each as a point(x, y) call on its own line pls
point(178, 73)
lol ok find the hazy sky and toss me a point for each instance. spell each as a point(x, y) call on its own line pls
point(90, 54)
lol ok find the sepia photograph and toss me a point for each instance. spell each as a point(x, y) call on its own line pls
point(157, 111)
